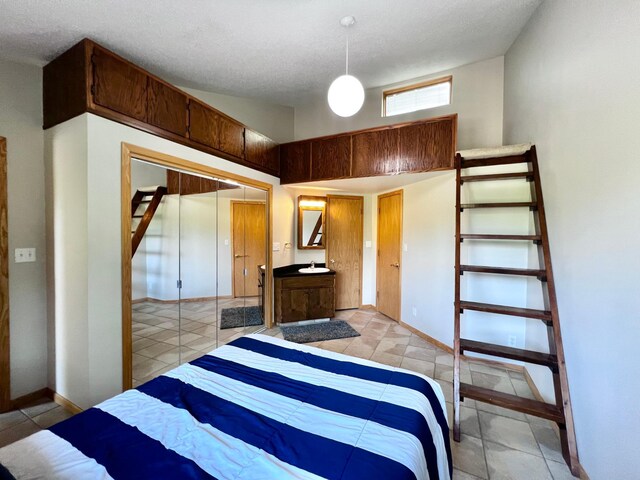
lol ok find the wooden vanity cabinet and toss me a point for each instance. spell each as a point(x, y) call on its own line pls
point(304, 298)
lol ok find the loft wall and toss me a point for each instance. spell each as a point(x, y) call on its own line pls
point(476, 98)
point(571, 86)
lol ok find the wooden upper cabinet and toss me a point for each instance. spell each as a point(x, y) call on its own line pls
point(119, 86)
point(203, 124)
point(231, 136)
point(261, 151)
point(166, 107)
point(427, 146)
point(375, 153)
point(295, 162)
point(331, 158)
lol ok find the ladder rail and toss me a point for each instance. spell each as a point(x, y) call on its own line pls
point(457, 309)
point(147, 216)
point(563, 398)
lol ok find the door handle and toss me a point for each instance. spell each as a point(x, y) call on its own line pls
point(397, 265)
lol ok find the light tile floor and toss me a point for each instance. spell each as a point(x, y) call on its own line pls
point(496, 443)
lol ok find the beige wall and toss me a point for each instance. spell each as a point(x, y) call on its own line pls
point(92, 317)
point(572, 86)
point(21, 124)
point(476, 98)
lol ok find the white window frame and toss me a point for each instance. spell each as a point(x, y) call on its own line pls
point(416, 86)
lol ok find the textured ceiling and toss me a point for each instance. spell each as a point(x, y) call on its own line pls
point(281, 51)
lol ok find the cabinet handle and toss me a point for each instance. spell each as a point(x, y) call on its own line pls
point(240, 256)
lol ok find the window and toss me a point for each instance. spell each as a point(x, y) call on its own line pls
point(430, 94)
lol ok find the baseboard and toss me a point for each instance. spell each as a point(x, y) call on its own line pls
point(427, 338)
point(64, 403)
point(25, 400)
point(186, 300)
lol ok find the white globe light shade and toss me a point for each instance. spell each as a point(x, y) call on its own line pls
point(346, 95)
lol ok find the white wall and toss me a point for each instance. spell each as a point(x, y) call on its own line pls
point(571, 87)
point(96, 307)
point(476, 98)
point(21, 124)
point(274, 121)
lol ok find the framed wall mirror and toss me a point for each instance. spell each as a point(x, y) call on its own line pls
point(311, 222)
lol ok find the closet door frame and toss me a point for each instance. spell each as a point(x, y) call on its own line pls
point(130, 152)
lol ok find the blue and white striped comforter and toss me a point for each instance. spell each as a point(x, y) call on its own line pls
point(257, 408)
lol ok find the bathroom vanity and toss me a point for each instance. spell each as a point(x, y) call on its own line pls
point(303, 296)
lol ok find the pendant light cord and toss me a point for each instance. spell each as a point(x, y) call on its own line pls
point(347, 66)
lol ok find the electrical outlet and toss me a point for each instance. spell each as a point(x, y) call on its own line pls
point(414, 310)
point(512, 340)
point(23, 255)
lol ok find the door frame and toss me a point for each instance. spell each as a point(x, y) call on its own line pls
point(383, 195)
point(5, 352)
point(360, 198)
point(233, 270)
point(128, 152)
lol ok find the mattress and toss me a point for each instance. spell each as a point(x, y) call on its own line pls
point(257, 408)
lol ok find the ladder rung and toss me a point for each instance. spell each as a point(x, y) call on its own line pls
point(540, 274)
point(496, 176)
point(512, 402)
point(137, 216)
point(488, 162)
point(505, 310)
point(499, 205)
point(482, 236)
point(529, 356)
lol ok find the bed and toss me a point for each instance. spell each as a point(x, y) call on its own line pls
point(257, 408)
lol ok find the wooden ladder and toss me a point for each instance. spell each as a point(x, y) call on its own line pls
point(560, 412)
point(140, 198)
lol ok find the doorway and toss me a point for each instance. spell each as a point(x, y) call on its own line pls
point(177, 295)
point(344, 247)
point(5, 368)
point(388, 276)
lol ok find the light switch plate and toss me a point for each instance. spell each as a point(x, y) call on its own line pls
point(405, 247)
point(367, 244)
point(24, 255)
point(276, 246)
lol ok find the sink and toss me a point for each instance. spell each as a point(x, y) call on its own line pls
point(314, 270)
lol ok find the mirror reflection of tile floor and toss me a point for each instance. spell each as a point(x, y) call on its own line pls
point(159, 344)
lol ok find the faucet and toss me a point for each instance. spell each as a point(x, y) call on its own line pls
point(313, 264)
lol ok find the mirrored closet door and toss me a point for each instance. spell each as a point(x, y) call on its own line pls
point(199, 249)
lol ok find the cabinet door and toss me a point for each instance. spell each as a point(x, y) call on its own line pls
point(119, 86)
point(294, 305)
point(428, 146)
point(331, 158)
point(320, 303)
point(295, 162)
point(231, 136)
point(375, 153)
point(203, 124)
point(261, 150)
point(167, 108)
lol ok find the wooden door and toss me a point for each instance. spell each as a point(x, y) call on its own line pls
point(249, 233)
point(344, 248)
point(389, 254)
point(5, 369)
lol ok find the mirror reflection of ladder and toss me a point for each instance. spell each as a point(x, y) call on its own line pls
point(560, 412)
point(316, 236)
point(141, 201)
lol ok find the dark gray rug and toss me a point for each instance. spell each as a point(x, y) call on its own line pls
point(317, 332)
point(240, 317)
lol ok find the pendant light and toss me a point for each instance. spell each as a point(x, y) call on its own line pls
point(346, 94)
